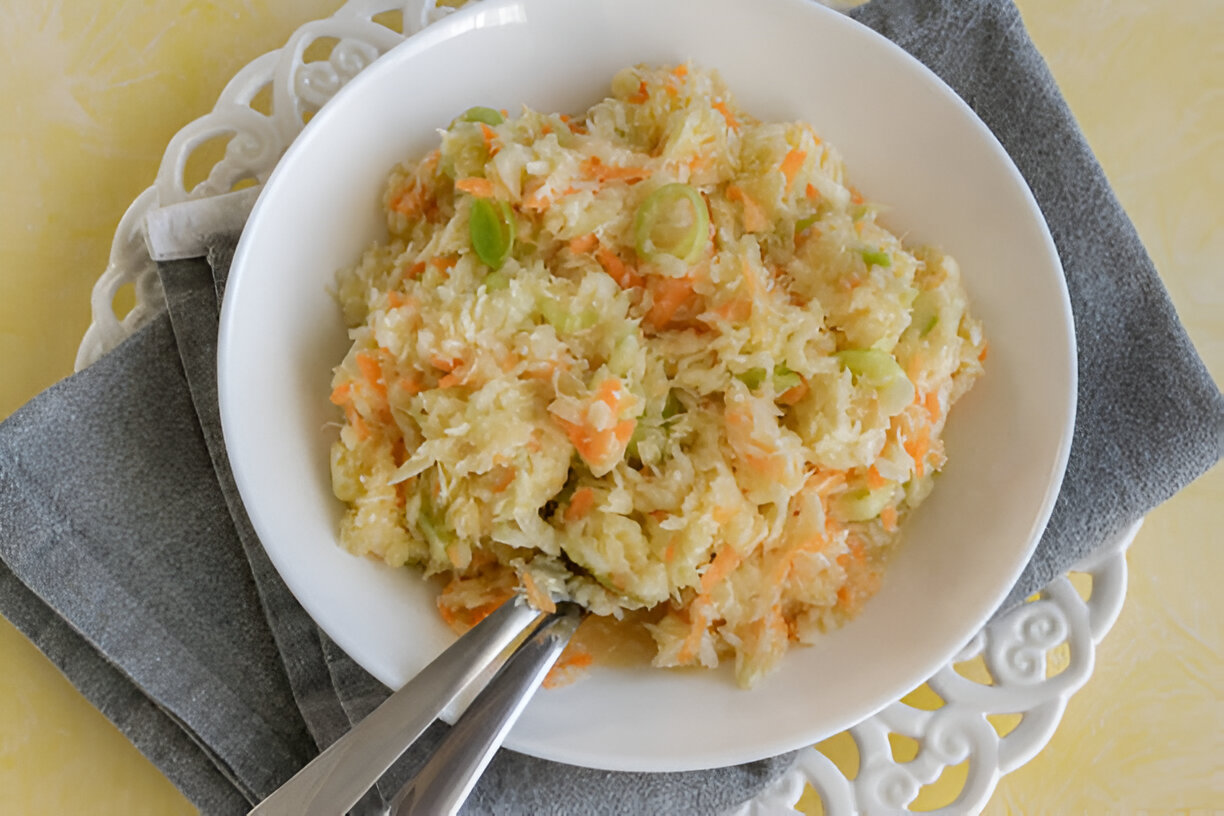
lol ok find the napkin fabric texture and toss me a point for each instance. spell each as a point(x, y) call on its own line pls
point(126, 555)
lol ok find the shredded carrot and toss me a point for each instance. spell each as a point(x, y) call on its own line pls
point(461, 619)
point(888, 517)
point(583, 244)
point(569, 667)
point(984, 352)
point(754, 216)
point(355, 420)
point(537, 597)
point(443, 262)
point(450, 380)
point(490, 137)
point(371, 371)
point(410, 201)
point(680, 70)
point(791, 396)
point(724, 564)
point(750, 278)
point(932, 404)
point(641, 95)
point(416, 269)
point(671, 90)
point(812, 193)
point(669, 553)
point(855, 196)
point(617, 270)
point(444, 364)
point(917, 448)
point(697, 628)
point(594, 168)
point(825, 482)
point(722, 108)
point(395, 299)
point(479, 187)
point(340, 394)
point(411, 384)
point(596, 445)
point(580, 505)
point(669, 295)
point(791, 165)
point(737, 310)
point(874, 479)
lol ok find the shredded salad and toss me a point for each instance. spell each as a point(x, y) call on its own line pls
point(660, 356)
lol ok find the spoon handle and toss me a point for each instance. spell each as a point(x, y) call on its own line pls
point(442, 786)
point(334, 780)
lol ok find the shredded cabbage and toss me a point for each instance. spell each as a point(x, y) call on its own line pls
point(720, 414)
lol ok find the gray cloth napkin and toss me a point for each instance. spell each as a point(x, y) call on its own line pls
point(126, 556)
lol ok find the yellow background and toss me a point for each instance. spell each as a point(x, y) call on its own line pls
point(93, 91)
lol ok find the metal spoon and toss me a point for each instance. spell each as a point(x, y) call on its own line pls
point(334, 780)
point(442, 786)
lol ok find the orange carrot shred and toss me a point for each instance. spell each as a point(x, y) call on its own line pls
point(490, 137)
point(580, 505)
point(680, 70)
point(583, 244)
point(754, 216)
point(479, 187)
point(874, 479)
point(984, 352)
point(617, 270)
point(669, 295)
point(791, 165)
point(340, 394)
point(722, 108)
point(372, 372)
point(641, 95)
point(791, 396)
point(888, 517)
point(932, 404)
point(724, 564)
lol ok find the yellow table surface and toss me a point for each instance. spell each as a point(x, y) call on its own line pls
point(93, 91)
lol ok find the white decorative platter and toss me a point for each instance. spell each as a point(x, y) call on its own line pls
point(1002, 697)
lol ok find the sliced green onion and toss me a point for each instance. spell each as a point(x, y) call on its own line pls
point(673, 406)
point(496, 281)
point(804, 223)
point(433, 528)
point(876, 257)
point(492, 229)
point(925, 314)
point(566, 322)
point(482, 114)
point(878, 369)
point(861, 504)
point(673, 220)
point(871, 366)
point(752, 378)
point(784, 379)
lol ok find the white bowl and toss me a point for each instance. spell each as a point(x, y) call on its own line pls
point(908, 141)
